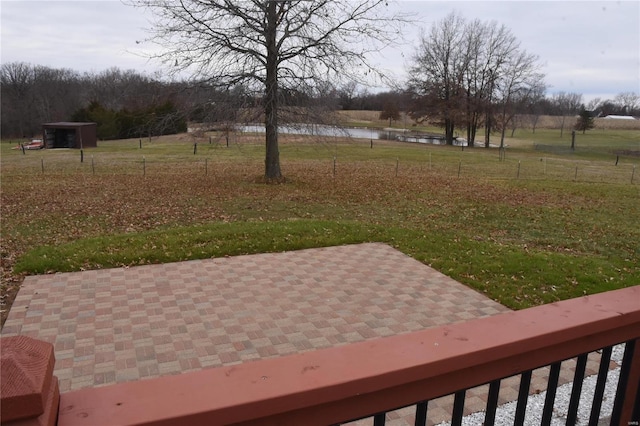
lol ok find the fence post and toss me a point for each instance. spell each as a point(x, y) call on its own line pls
point(633, 172)
point(397, 165)
point(42, 166)
point(518, 174)
point(334, 166)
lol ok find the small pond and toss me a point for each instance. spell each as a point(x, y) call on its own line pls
point(356, 133)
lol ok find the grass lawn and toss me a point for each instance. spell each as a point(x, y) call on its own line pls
point(539, 226)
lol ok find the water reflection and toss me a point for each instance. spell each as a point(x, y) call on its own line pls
point(356, 133)
point(318, 130)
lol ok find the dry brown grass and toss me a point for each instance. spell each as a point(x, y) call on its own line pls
point(555, 122)
point(544, 121)
point(361, 115)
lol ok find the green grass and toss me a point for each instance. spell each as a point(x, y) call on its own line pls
point(453, 255)
point(193, 242)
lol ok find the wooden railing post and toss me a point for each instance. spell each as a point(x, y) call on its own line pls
point(29, 393)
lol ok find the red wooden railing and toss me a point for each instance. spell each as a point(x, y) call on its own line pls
point(335, 385)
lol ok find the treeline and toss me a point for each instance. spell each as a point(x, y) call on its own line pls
point(122, 124)
point(123, 103)
point(469, 74)
point(128, 104)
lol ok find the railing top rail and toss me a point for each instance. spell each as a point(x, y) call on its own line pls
point(336, 384)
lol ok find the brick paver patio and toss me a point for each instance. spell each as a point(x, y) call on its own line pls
point(124, 324)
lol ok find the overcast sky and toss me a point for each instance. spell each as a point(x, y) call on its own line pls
point(588, 47)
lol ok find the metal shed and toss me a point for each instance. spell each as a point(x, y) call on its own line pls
point(70, 135)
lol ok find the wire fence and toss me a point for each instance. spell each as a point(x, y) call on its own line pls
point(450, 164)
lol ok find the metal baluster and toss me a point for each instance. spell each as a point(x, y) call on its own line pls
point(623, 382)
point(552, 385)
point(421, 413)
point(635, 416)
point(492, 403)
point(600, 385)
point(379, 419)
point(578, 378)
point(523, 397)
point(458, 408)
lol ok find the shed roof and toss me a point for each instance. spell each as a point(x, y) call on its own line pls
point(619, 117)
point(68, 124)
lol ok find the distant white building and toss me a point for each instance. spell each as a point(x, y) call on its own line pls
point(619, 117)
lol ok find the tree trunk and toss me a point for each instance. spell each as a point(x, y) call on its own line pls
point(470, 124)
point(272, 171)
point(474, 129)
point(448, 129)
point(487, 132)
point(505, 123)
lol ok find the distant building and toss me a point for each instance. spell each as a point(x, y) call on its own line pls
point(70, 135)
point(619, 117)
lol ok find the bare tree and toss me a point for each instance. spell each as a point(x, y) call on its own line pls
point(390, 112)
point(594, 104)
point(35, 94)
point(438, 70)
point(519, 83)
point(464, 71)
point(566, 104)
point(267, 45)
point(56, 93)
point(16, 81)
point(349, 95)
point(538, 106)
point(629, 102)
point(490, 46)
